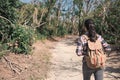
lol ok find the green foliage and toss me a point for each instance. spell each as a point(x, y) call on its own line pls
point(108, 22)
point(16, 38)
point(61, 30)
point(5, 30)
point(49, 31)
point(21, 40)
point(113, 21)
point(8, 17)
point(3, 49)
point(8, 9)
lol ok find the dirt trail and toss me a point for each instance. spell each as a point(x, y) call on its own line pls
point(66, 65)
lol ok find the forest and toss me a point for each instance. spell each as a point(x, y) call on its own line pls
point(21, 24)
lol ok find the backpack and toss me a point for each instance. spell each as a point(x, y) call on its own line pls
point(96, 56)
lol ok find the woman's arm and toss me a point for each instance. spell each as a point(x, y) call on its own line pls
point(80, 44)
point(79, 48)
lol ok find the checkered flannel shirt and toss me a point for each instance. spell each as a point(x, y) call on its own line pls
point(82, 41)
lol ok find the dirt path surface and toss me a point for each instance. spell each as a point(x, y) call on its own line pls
point(26, 67)
point(66, 65)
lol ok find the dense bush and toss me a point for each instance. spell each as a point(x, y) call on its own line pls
point(8, 9)
point(8, 17)
point(22, 39)
point(61, 30)
point(113, 21)
point(6, 30)
point(49, 31)
point(108, 22)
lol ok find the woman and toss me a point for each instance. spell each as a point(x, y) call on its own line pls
point(82, 51)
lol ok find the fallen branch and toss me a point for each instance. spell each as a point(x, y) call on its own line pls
point(14, 67)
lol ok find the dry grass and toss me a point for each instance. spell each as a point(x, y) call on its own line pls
point(33, 67)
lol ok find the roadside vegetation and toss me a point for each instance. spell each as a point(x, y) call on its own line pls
point(22, 24)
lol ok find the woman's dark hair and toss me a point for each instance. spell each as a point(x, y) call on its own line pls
point(89, 24)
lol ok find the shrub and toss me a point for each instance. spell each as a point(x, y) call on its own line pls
point(61, 30)
point(21, 40)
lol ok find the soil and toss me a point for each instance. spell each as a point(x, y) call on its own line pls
point(52, 60)
point(27, 67)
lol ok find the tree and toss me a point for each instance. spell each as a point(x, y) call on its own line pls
point(113, 21)
point(79, 7)
point(107, 20)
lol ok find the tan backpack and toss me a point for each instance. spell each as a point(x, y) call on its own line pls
point(96, 56)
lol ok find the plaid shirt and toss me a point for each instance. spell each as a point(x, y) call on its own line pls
point(82, 41)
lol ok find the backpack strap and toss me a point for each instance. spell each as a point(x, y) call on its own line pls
point(93, 45)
